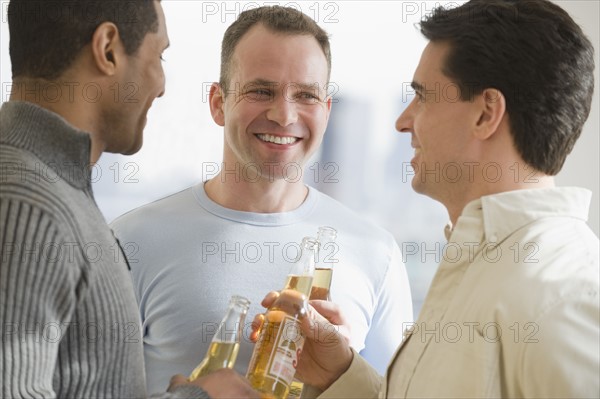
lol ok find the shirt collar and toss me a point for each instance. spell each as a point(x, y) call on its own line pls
point(63, 149)
point(507, 212)
point(500, 215)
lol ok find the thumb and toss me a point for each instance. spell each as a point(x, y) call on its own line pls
point(177, 380)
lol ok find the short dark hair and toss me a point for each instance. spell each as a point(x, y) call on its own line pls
point(285, 20)
point(46, 35)
point(536, 55)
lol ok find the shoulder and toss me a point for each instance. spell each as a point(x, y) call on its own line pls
point(32, 192)
point(157, 212)
point(547, 265)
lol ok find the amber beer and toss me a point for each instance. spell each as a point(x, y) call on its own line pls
point(299, 283)
point(220, 355)
point(225, 344)
point(275, 357)
point(324, 269)
point(321, 283)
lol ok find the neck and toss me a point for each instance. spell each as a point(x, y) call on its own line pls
point(64, 98)
point(260, 195)
point(512, 177)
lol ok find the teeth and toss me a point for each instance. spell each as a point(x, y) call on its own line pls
point(277, 139)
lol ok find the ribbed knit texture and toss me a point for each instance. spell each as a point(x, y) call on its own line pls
point(70, 323)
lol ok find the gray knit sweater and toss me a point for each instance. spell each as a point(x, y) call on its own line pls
point(70, 323)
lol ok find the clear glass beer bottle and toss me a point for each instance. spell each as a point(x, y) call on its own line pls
point(225, 343)
point(280, 340)
point(321, 284)
point(324, 268)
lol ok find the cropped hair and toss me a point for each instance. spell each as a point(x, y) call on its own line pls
point(47, 35)
point(284, 20)
point(536, 56)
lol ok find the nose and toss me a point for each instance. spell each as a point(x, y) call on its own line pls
point(404, 123)
point(162, 90)
point(283, 111)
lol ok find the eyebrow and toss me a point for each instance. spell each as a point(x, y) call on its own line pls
point(264, 82)
point(260, 82)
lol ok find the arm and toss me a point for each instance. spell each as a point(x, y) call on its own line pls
point(39, 286)
point(563, 358)
point(223, 383)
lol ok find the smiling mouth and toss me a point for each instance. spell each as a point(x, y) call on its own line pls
point(269, 138)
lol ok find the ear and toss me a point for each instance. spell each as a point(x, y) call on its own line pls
point(328, 103)
point(107, 48)
point(493, 109)
point(216, 101)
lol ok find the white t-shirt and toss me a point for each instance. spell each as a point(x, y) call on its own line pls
point(189, 255)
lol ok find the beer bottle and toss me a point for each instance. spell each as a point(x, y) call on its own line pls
point(280, 340)
point(225, 343)
point(324, 268)
point(321, 283)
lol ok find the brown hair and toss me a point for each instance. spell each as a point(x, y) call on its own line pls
point(278, 19)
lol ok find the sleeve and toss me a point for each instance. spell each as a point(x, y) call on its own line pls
point(561, 356)
point(359, 381)
point(393, 313)
point(183, 392)
point(40, 281)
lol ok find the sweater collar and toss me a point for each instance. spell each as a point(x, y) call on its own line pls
point(63, 149)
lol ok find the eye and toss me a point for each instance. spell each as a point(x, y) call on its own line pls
point(259, 94)
point(308, 97)
point(162, 58)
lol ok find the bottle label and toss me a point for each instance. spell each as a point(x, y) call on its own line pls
point(288, 345)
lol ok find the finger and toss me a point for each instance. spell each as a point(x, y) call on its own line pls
point(177, 380)
point(313, 323)
point(329, 310)
point(269, 299)
point(256, 326)
point(318, 328)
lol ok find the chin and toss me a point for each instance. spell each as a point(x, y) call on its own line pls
point(134, 148)
point(418, 185)
point(129, 147)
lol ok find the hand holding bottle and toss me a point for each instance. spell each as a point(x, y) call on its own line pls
point(326, 354)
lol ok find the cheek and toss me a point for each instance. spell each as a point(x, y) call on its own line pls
point(316, 120)
point(246, 112)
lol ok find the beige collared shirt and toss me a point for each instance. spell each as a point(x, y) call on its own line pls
point(513, 310)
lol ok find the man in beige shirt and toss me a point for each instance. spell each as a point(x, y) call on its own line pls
point(502, 91)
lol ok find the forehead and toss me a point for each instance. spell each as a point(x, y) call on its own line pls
point(162, 23)
point(431, 65)
point(159, 40)
point(278, 57)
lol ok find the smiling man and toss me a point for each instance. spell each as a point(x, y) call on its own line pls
point(239, 232)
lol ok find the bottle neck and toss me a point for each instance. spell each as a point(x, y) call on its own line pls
point(327, 247)
point(302, 272)
point(232, 325)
